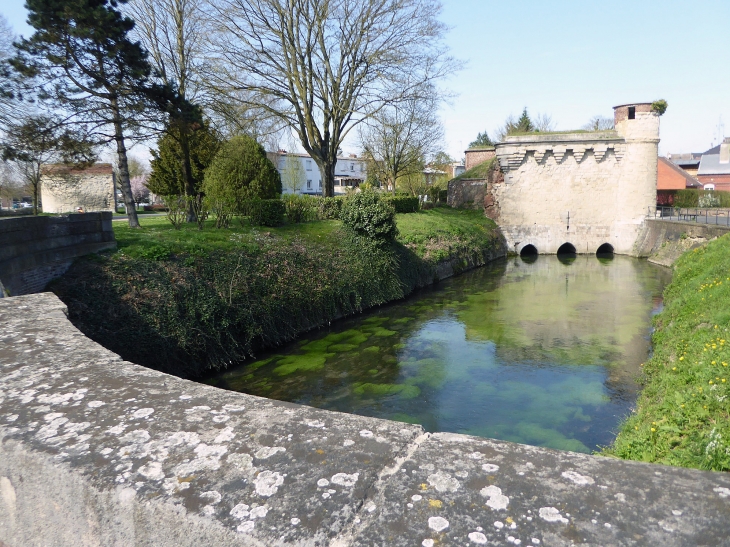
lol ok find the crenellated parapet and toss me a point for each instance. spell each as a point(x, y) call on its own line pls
point(557, 149)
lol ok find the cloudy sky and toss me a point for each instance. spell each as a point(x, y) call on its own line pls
point(576, 59)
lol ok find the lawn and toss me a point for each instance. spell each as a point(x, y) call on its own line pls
point(683, 413)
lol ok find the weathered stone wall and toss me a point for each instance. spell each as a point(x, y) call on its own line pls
point(664, 241)
point(467, 193)
point(65, 192)
point(97, 451)
point(35, 250)
point(586, 189)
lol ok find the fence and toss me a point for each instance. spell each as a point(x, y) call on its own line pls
point(700, 215)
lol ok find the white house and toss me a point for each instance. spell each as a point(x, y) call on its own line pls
point(300, 174)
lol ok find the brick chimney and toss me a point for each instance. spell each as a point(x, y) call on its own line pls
point(725, 150)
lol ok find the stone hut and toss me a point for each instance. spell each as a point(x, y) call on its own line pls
point(64, 189)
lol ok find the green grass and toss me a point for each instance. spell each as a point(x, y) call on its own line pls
point(480, 171)
point(683, 413)
point(157, 232)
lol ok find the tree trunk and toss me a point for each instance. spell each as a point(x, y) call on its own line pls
point(187, 171)
point(36, 184)
point(328, 180)
point(124, 185)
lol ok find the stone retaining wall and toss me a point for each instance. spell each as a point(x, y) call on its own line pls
point(97, 451)
point(35, 250)
point(664, 241)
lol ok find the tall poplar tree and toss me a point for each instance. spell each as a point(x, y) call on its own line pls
point(89, 67)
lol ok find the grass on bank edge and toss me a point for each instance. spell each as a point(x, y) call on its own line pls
point(683, 413)
point(432, 235)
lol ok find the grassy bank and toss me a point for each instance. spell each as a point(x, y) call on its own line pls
point(189, 301)
point(683, 412)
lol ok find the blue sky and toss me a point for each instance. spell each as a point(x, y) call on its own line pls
point(576, 59)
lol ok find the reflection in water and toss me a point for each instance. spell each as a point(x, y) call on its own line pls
point(543, 352)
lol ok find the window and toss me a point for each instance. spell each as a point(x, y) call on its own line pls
point(309, 184)
point(632, 112)
point(362, 167)
point(352, 167)
point(309, 165)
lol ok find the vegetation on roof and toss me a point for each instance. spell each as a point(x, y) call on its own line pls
point(480, 171)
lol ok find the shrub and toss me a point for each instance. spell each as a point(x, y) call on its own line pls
point(367, 215)
point(443, 196)
point(300, 208)
point(241, 172)
point(330, 208)
point(686, 198)
point(403, 204)
point(266, 212)
point(660, 106)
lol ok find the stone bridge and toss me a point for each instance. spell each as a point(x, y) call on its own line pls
point(95, 451)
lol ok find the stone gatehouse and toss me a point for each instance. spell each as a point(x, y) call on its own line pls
point(584, 189)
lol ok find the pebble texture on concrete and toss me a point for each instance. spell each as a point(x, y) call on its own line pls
point(97, 451)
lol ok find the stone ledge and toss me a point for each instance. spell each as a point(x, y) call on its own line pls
point(96, 448)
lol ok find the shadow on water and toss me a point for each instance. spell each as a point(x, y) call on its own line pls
point(543, 352)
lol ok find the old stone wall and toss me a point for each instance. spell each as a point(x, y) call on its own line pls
point(66, 192)
point(98, 451)
point(467, 193)
point(35, 250)
point(585, 189)
point(664, 241)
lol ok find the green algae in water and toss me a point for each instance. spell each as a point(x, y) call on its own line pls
point(304, 363)
point(341, 348)
point(379, 331)
point(542, 353)
point(382, 390)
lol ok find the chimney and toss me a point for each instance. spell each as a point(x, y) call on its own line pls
point(725, 150)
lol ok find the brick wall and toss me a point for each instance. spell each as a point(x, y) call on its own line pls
point(476, 156)
point(35, 250)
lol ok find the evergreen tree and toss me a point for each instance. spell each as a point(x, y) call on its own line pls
point(524, 124)
point(81, 50)
point(481, 140)
point(167, 176)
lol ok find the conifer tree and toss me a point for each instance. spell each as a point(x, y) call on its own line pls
point(524, 124)
point(89, 67)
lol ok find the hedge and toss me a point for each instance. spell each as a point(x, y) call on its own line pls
point(266, 212)
point(403, 204)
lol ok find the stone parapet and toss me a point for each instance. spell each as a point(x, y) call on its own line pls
point(97, 451)
point(35, 250)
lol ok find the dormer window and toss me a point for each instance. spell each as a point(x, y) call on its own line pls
point(632, 112)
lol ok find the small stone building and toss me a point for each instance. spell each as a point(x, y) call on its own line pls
point(64, 189)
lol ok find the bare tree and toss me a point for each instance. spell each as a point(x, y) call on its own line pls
point(598, 123)
point(544, 122)
point(323, 66)
point(7, 89)
point(293, 174)
point(400, 137)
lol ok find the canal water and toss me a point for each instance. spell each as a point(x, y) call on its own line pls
point(544, 351)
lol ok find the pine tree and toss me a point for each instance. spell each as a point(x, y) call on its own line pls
point(167, 177)
point(524, 124)
point(81, 50)
point(481, 140)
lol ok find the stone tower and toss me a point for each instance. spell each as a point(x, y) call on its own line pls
point(581, 190)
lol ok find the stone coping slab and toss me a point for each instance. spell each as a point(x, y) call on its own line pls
point(98, 451)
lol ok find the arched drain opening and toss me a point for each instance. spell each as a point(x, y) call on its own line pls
point(605, 251)
point(566, 253)
point(528, 251)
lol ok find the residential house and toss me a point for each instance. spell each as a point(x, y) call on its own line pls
point(689, 161)
point(300, 174)
point(714, 169)
point(670, 178)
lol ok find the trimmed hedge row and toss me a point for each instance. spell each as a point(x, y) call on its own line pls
point(403, 204)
